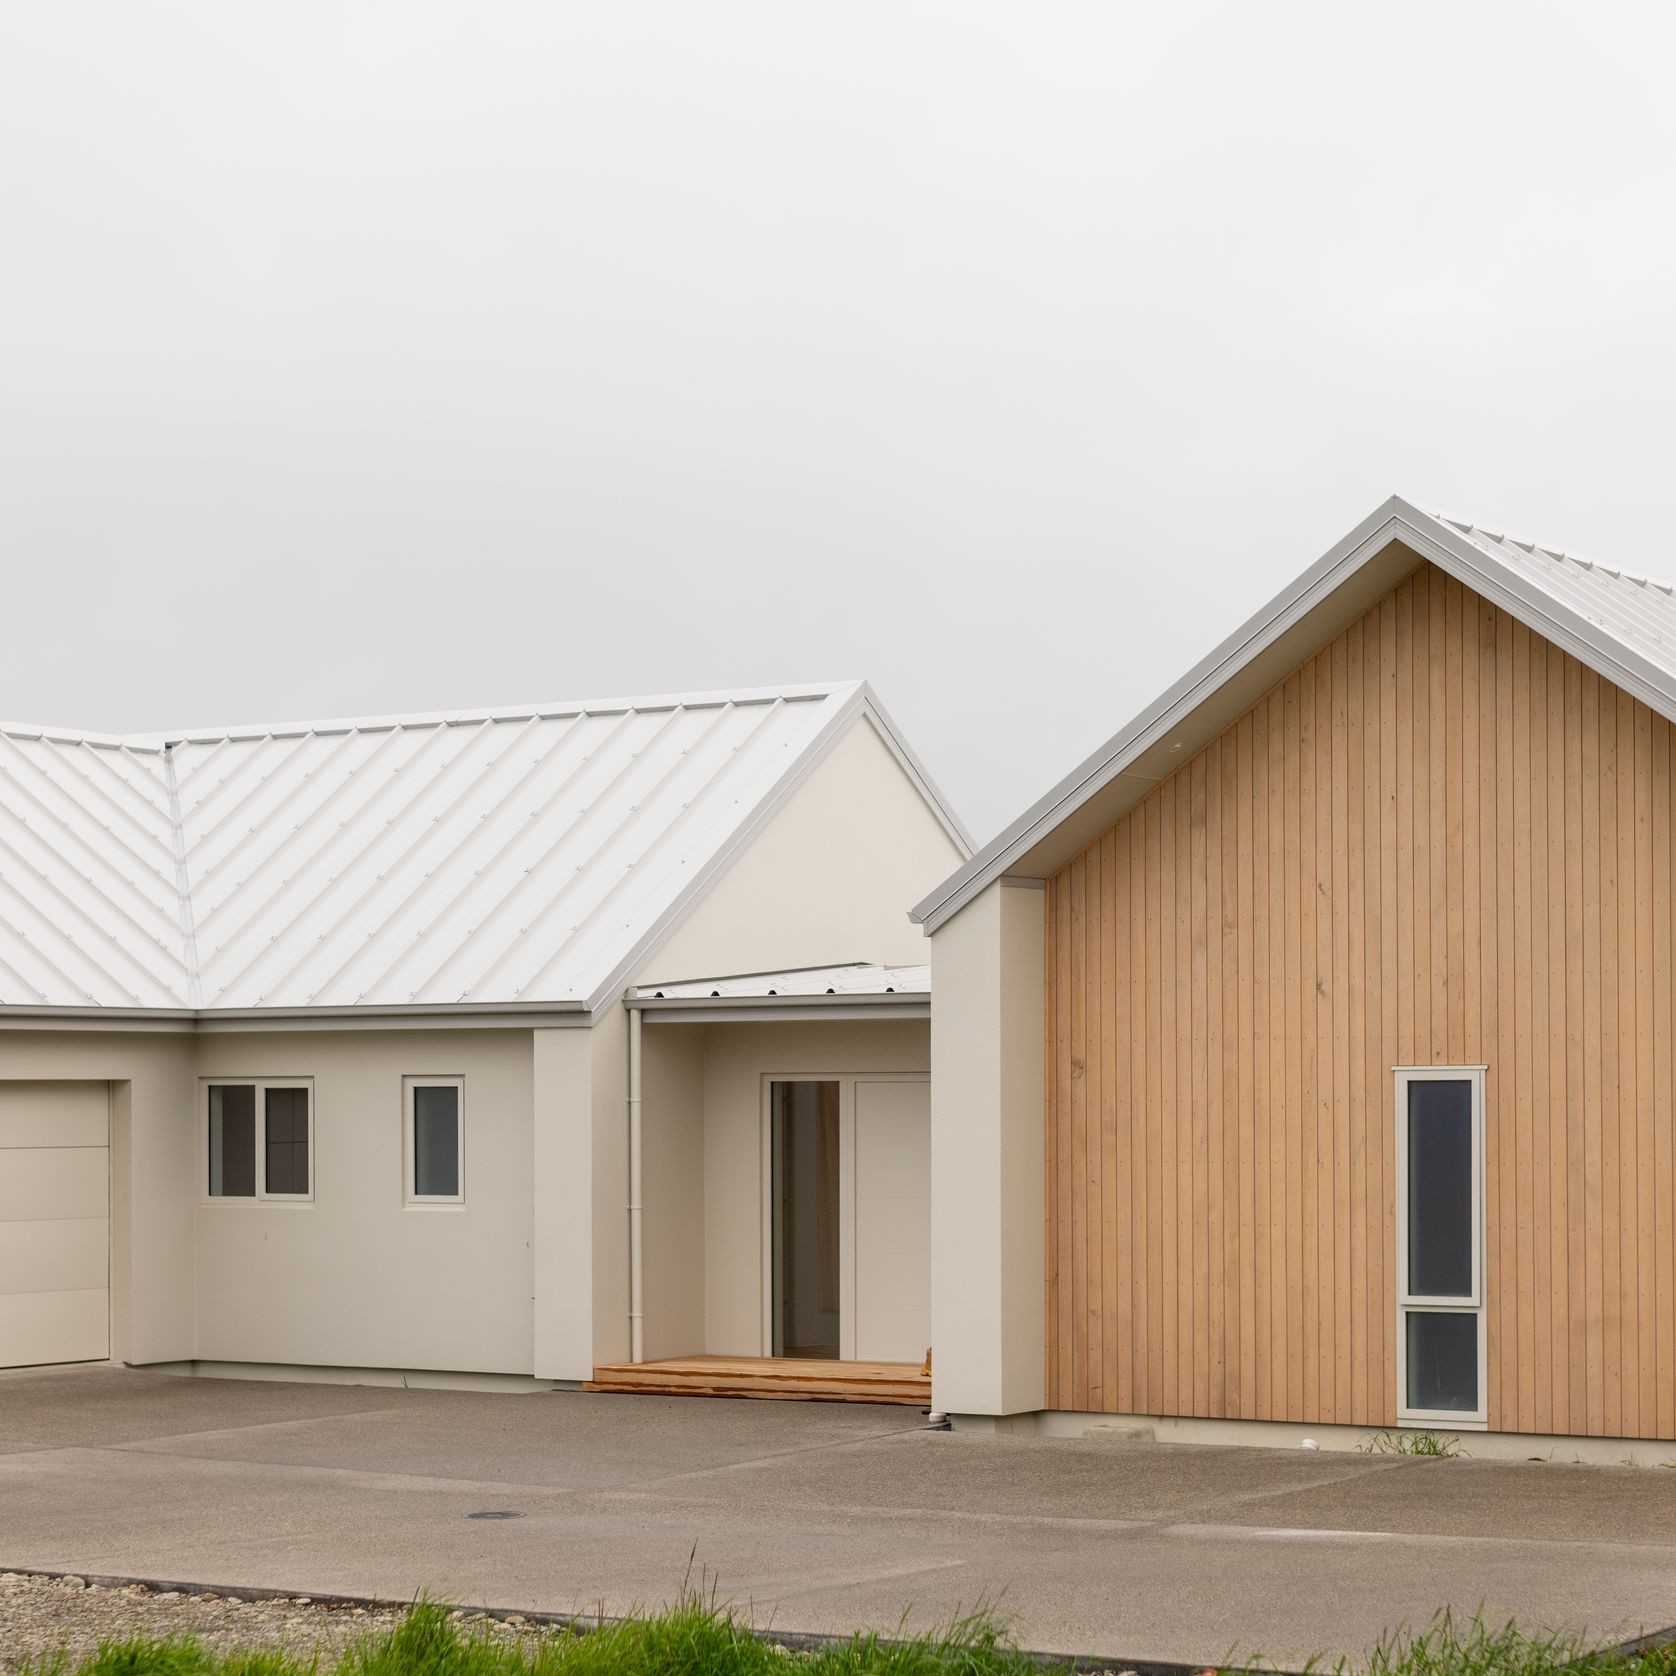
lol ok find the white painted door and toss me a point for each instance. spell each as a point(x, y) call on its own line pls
point(54, 1222)
point(892, 1154)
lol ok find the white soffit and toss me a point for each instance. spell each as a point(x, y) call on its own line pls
point(517, 856)
point(1619, 622)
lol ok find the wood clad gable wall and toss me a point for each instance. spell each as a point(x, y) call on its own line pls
point(1439, 841)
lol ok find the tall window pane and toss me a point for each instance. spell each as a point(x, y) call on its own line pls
point(1440, 1189)
point(436, 1141)
point(285, 1125)
point(232, 1140)
point(805, 1143)
point(1443, 1360)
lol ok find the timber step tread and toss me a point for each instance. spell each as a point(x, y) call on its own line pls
point(784, 1379)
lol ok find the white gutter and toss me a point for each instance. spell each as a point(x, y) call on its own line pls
point(637, 1345)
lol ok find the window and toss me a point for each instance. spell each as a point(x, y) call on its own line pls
point(434, 1140)
point(1440, 1287)
point(261, 1137)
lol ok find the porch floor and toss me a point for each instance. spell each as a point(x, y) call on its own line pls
point(789, 1379)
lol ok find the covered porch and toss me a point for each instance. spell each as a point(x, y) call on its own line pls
point(783, 1239)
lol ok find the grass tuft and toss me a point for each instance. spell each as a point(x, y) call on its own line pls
point(1427, 1445)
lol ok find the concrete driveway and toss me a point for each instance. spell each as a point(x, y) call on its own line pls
point(816, 1516)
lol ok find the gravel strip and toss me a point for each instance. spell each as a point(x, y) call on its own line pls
point(43, 1614)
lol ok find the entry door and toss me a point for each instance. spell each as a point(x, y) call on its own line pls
point(54, 1222)
point(848, 1234)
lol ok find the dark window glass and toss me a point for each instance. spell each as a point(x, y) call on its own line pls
point(232, 1140)
point(1443, 1360)
point(436, 1142)
point(805, 1142)
point(285, 1125)
point(1440, 1189)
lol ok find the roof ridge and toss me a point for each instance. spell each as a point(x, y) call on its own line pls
point(159, 739)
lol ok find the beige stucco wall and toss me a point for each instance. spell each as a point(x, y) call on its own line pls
point(561, 1179)
point(737, 1057)
point(357, 1278)
point(672, 1181)
point(610, 1249)
point(151, 1172)
point(530, 1276)
point(987, 1262)
point(830, 878)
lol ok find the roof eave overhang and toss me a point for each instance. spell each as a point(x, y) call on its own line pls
point(181, 1020)
point(756, 1009)
point(1372, 558)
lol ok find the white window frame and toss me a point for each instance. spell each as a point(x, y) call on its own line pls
point(411, 1197)
point(1471, 1303)
point(262, 1195)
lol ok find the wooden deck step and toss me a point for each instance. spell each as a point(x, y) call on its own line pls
point(785, 1379)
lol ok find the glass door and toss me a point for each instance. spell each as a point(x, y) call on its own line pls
point(804, 1137)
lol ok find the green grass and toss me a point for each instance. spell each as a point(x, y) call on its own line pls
point(700, 1638)
point(1425, 1444)
point(697, 1637)
point(1447, 1647)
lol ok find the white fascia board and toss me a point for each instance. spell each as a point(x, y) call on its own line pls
point(911, 765)
point(127, 1021)
point(780, 1009)
point(442, 1016)
point(1428, 537)
point(485, 1018)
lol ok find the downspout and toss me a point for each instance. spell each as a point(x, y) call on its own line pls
point(637, 1349)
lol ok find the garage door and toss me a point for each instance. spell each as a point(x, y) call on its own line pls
point(55, 1228)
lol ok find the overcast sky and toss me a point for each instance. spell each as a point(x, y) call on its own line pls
point(368, 357)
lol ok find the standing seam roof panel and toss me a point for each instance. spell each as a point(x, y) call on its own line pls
point(485, 857)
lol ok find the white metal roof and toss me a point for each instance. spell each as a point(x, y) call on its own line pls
point(1619, 622)
point(486, 857)
point(857, 978)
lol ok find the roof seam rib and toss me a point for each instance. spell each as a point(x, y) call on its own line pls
point(183, 885)
point(515, 858)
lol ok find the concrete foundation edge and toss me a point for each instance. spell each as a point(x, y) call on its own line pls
point(409, 1379)
point(1274, 1434)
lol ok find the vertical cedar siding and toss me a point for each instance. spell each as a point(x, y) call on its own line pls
point(1439, 841)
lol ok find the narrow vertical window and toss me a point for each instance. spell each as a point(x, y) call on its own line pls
point(435, 1140)
point(1440, 1300)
